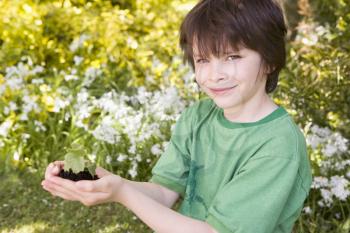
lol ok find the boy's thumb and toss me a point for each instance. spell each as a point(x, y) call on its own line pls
point(101, 172)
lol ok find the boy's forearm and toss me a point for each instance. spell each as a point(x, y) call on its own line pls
point(157, 216)
point(151, 190)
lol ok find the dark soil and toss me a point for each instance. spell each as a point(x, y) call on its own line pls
point(84, 175)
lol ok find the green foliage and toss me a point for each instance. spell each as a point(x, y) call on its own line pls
point(66, 64)
point(75, 160)
point(316, 81)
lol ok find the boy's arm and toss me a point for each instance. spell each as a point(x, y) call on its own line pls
point(147, 204)
point(157, 216)
point(157, 192)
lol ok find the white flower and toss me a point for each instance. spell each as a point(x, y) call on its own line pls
point(29, 104)
point(132, 43)
point(133, 171)
point(82, 96)
point(83, 111)
point(90, 75)
point(339, 187)
point(105, 132)
point(78, 42)
point(5, 127)
point(329, 150)
point(138, 158)
point(121, 158)
point(78, 60)
point(92, 157)
point(320, 203)
point(310, 40)
point(60, 104)
point(107, 103)
point(20, 71)
point(319, 182)
point(340, 142)
point(321, 30)
point(2, 88)
point(108, 159)
point(156, 149)
point(36, 70)
point(37, 81)
point(321, 132)
point(16, 156)
point(23, 116)
point(132, 149)
point(25, 137)
point(327, 196)
point(307, 34)
point(15, 83)
point(66, 116)
point(6, 110)
point(142, 95)
point(13, 106)
point(39, 126)
point(307, 210)
point(69, 77)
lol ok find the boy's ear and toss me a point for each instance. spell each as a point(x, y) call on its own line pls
point(269, 69)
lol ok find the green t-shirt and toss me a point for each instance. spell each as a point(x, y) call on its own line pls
point(238, 177)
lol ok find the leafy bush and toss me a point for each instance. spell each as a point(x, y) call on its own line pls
point(109, 74)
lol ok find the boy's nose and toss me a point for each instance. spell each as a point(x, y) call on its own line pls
point(217, 72)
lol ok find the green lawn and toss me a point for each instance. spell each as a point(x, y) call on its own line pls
point(26, 207)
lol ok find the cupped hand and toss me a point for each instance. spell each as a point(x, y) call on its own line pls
point(105, 189)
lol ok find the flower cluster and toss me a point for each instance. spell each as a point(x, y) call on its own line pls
point(136, 126)
point(330, 155)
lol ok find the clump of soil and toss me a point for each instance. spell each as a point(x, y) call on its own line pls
point(83, 175)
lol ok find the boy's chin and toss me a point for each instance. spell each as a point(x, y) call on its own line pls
point(228, 104)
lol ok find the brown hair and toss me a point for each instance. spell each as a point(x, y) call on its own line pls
point(256, 24)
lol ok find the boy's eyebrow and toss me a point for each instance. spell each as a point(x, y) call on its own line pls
point(224, 53)
point(231, 51)
point(197, 55)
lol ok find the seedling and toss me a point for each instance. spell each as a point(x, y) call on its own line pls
point(76, 167)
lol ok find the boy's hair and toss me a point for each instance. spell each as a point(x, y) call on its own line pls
point(215, 25)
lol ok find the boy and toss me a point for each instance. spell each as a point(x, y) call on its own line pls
point(237, 159)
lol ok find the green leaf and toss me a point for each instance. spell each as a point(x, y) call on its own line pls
point(74, 161)
point(91, 167)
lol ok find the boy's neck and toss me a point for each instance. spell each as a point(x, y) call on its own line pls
point(251, 111)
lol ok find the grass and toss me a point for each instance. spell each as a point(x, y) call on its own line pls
point(26, 207)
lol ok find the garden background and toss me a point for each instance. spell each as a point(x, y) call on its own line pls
point(108, 74)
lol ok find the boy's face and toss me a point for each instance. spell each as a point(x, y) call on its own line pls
point(233, 80)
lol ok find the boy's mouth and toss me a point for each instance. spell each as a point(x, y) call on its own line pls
point(223, 90)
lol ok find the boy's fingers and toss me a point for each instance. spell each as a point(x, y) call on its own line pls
point(67, 184)
point(59, 191)
point(91, 186)
point(53, 169)
point(101, 172)
point(87, 199)
point(48, 171)
point(59, 163)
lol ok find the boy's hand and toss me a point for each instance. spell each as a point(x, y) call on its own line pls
point(105, 189)
point(54, 169)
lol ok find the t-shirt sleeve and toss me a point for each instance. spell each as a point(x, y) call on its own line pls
point(172, 168)
point(253, 200)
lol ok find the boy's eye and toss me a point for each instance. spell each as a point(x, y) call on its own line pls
point(201, 60)
point(233, 57)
